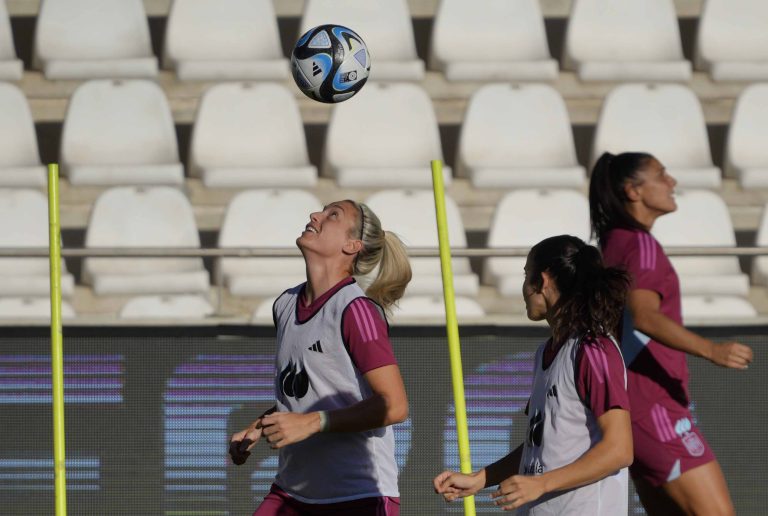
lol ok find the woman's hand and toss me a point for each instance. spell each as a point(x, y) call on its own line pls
point(453, 485)
point(731, 354)
point(518, 490)
point(284, 428)
point(241, 443)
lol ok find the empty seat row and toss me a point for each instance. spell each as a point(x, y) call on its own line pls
point(129, 217)
point(251, 136)
point(499, 40)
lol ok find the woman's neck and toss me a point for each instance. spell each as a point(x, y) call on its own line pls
point(321, 277)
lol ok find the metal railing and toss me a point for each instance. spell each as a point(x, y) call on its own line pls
point(285, 252)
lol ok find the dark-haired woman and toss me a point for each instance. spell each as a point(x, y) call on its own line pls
point(674, 468)
point(338, 386)
point(579, 437)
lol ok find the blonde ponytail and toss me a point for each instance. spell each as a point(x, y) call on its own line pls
point(385, 250)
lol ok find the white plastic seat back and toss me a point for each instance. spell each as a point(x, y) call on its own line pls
point(746, 154)
point(19, 158)
point(386, 28)
point(523, 218)
point(224, 40)
point(702, 219)
point(601, 42)
point(760, 263)
point(498, 40)
point(664, 120)
point(128, 217)
point(24, 224)
point(707, 309)
point(263, 313)
point(120, 132)
point(11, 68)
point(518, 136)
point(94, 39)
point(250, 135)
point(265, 218)
point(433, 308)
point(166, 307)
point(384, 139)
point(410, 214)
point(32, 308)
point(732, 40)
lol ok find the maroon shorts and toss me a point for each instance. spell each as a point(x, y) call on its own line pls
point(280, 503)
point(667, 444)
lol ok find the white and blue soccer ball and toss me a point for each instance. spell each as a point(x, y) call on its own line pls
point(330, 63)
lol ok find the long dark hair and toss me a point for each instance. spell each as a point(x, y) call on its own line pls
point(607, 197)
point(592, 296)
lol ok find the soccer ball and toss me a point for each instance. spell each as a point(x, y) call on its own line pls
point(330, 63)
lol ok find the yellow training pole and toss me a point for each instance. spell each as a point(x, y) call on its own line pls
point(57, 352)
point(452, 329)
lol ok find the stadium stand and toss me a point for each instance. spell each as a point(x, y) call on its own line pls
point(522, 219)
point(746, 156)
point(166, 307)
point(732, 41)
point(35, 308)
point(24, 224)
point(710, 275)
point(143, 217)
point(94, 39)
point(250, 221)
point(387, 28)
point(760, 265)
point(502, 41)
point(720, 308)
point(19, 157)
point(250, 136)
point(517, 136)
point(224, 40)
point(120, 133)
point(664, 120)
point(410, 214)
point(417, 308)
point(601, 42)
point(11, 67)
point(396, 137)
point(696, 146)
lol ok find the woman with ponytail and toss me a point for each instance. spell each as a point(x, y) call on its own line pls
point(579, 440)
point(338, 386)
point(674, 469)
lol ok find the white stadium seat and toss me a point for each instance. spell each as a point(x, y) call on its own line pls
point(24, 223)
point(410, 214)
point(19, 158)
point(732, 40)
point(702, 219)
point(523, 218)
point(625, 40)
point(433, 308)
point(498, 41)
point(143, 217)
point(32, 308)
point(386, 28)
point(709, 308)
point(760, 263)
point(11, 68)
point(746, 153)
point(265, 218)
point(166, 307)
point(224, 40)
point(120, 133)
point(384, 139)
point(94, 39)
point(250, 135)
point(518, 136)
point(263, 313)
point(664, 120)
